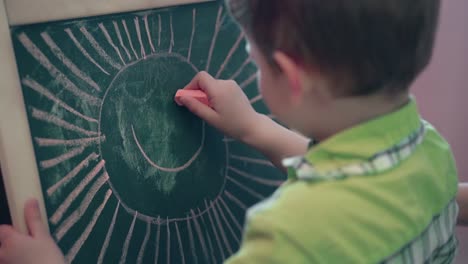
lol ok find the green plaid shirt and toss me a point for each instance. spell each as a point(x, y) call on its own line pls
point(381, 192)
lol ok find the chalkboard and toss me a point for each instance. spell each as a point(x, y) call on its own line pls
point(128, 176)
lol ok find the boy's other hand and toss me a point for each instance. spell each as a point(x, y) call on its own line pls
point(231, 110)
point(35, 247)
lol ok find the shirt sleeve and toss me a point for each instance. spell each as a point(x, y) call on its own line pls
point(263, 242)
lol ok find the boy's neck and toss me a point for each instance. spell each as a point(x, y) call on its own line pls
point(343, 113)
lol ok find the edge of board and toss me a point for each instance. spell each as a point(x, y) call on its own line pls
point(22, 12)
point(18, 164)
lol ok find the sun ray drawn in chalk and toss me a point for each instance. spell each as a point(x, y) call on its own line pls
point(54, 72)
point(226, 222)
point(126, 244)
point(67, 62)
point(102, 254)
point(231, 215)
point(82, 165)
point(99, 49)
point(45, 164)
point(71, 220)
point(159, 30)
point(245, 188)
point(179, 241)
point(124, 23)
point(57, 216)
point(240, 69)
point(200, 236)
point(46, 93)
point(148, 34)
point(256, 99)
point(70, 256)
point(223, 18)
point(50, 142)
point(194, 18)
point(52, 119)
point(252, 160)
point(221, 229)
point(157, 241)
point(208, 237)
point(136, 21)
point(258, 179)
point(141, 253)
point(168, 244)
point(236, 200)
point(215, 36)
point(171, 44)
point(229, 55)
point(83, 51)
point(228, 140)
point(111, 42)
point(249, 81)
point(119, 37)
point(213, 228)
point(191, 239)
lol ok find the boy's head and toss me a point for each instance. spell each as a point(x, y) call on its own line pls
point(374, 45)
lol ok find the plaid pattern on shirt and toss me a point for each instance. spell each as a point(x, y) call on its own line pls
point(378, 163)
point(437, 243)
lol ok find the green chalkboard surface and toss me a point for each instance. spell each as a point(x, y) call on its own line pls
point(128, 176)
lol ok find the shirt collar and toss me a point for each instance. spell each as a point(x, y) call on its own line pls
point(360, 143)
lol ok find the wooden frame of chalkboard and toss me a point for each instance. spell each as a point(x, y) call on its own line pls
point(20, 174)
point(22, 12)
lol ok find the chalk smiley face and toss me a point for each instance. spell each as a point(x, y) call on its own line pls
point(156, 152)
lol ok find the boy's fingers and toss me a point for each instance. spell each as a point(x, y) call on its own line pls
point(199, 109)
point(6, 232)
point(33, 218)
point(202, 81)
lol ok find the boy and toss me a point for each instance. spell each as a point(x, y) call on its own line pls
point(377, 184)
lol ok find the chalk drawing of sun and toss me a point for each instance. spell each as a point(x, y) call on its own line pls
point(123, 168)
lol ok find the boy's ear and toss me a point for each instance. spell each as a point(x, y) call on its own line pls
point(292, 72)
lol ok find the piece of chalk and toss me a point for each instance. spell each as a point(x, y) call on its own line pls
point(197, 94)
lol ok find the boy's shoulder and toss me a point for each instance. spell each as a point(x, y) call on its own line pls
point(334, 221)
point(364, 219)
point(405, 211)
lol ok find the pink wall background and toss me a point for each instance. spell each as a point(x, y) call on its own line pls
point(442, 91)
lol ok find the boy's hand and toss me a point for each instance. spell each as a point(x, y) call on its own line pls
point(231, 110)
point(233, 115)
point(37, 247)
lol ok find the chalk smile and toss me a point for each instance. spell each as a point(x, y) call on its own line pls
point(166, 169)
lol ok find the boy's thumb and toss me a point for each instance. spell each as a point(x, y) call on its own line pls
point(33, 218)
point(199, 109)
point(6, 232)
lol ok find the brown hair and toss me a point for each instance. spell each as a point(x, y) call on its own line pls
point(378, 44)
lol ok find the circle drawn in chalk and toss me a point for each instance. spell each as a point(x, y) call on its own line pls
point(155, 148)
